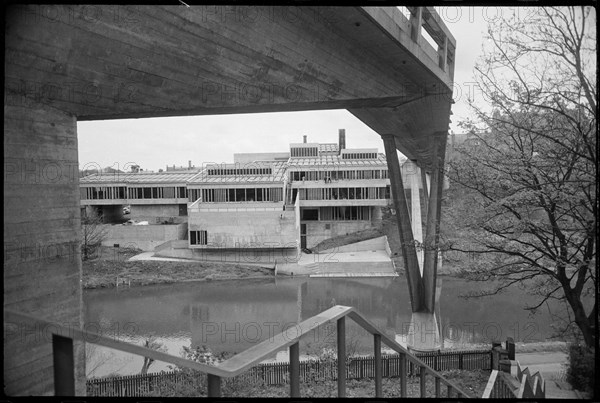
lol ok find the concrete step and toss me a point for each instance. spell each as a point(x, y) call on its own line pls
point(346, 275)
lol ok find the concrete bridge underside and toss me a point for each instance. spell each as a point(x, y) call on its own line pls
point(69, 63)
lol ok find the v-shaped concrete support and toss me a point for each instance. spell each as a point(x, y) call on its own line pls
point(421, 287)
point(434, 208)
point(407, 242)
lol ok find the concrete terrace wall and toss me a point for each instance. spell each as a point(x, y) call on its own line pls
point(317, 231)
point(144, 237)
point(246, 229)
point(379, 243)
point(42, 232)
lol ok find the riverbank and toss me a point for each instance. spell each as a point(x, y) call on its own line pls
point(111, 264)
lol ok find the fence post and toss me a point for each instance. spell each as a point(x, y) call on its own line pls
point(403, 375)
point(510, 347)
point(341, 356)
point(64, 367)
point(295, 370)
point(378, 366)
point(423, 381)
point(437, 387)
point(214, 385)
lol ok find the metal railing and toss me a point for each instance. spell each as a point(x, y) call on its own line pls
point(63, 357)
point(519, 384)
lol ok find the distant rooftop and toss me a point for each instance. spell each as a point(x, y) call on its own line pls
point(337, 161)
point(277, 169)
point(140, 177)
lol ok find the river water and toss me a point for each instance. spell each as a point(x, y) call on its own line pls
point(232, 315)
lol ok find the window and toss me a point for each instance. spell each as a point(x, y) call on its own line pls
point(198, 237)
point(310, 214)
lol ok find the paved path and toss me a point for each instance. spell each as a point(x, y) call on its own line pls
point(149, 256)
point(552, 367)
point(367, 263)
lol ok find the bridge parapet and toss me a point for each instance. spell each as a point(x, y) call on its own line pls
point(408, 31)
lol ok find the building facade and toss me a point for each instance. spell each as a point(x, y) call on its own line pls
point(153, 197)
point(290, 199)
point(296, 199)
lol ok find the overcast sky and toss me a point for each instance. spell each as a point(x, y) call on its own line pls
point(157, 142)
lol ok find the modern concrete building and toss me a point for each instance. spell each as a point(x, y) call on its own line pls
point(152, 197)
point(319, 192)
point(294, 199)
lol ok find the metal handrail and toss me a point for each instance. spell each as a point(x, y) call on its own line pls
point(62, 340)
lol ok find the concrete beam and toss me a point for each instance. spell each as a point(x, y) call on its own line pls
point(112, 62)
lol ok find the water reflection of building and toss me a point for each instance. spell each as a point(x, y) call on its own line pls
point(230, 320)
point(234, 315)
point(182, 311)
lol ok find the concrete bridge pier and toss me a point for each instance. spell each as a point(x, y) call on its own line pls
point(421, 274)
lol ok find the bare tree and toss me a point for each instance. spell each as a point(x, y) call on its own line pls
point(528, 179)
point(153, 344)
point(93, 234)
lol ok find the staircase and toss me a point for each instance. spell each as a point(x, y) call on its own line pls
point(516, 384)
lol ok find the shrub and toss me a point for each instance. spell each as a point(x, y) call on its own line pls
point(580, 373)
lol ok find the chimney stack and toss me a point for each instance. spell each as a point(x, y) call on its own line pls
point(304, 138)
point(190, 164)
point(342, 139)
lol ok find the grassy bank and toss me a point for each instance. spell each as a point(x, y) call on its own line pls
point(102, 270)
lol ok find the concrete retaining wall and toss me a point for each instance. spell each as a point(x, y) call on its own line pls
point(144, 237)
point(245, 229)
point(379, 243)
point(317, 230)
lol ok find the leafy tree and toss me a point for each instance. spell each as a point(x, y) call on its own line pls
point(527, 177)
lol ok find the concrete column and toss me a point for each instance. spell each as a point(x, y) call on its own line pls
point(416, 21)
point(42, 232)
point(425, 184)
point(433, 219)
point(412, 174)
point(409, 253)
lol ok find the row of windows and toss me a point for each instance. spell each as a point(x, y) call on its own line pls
point(157, 192)
point(359, 156)
point(304, 152)
point(239, 171)
point(198, 237)
point(339, 175)
point(338, 213)
point(361, 193)
point(237, 195)
point(102, 192)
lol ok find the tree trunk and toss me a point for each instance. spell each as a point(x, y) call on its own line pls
point(580, 318)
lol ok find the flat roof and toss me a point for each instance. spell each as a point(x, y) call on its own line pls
point(140, 177)
point(278, 169)
point(328, 147)
point(336, 161)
